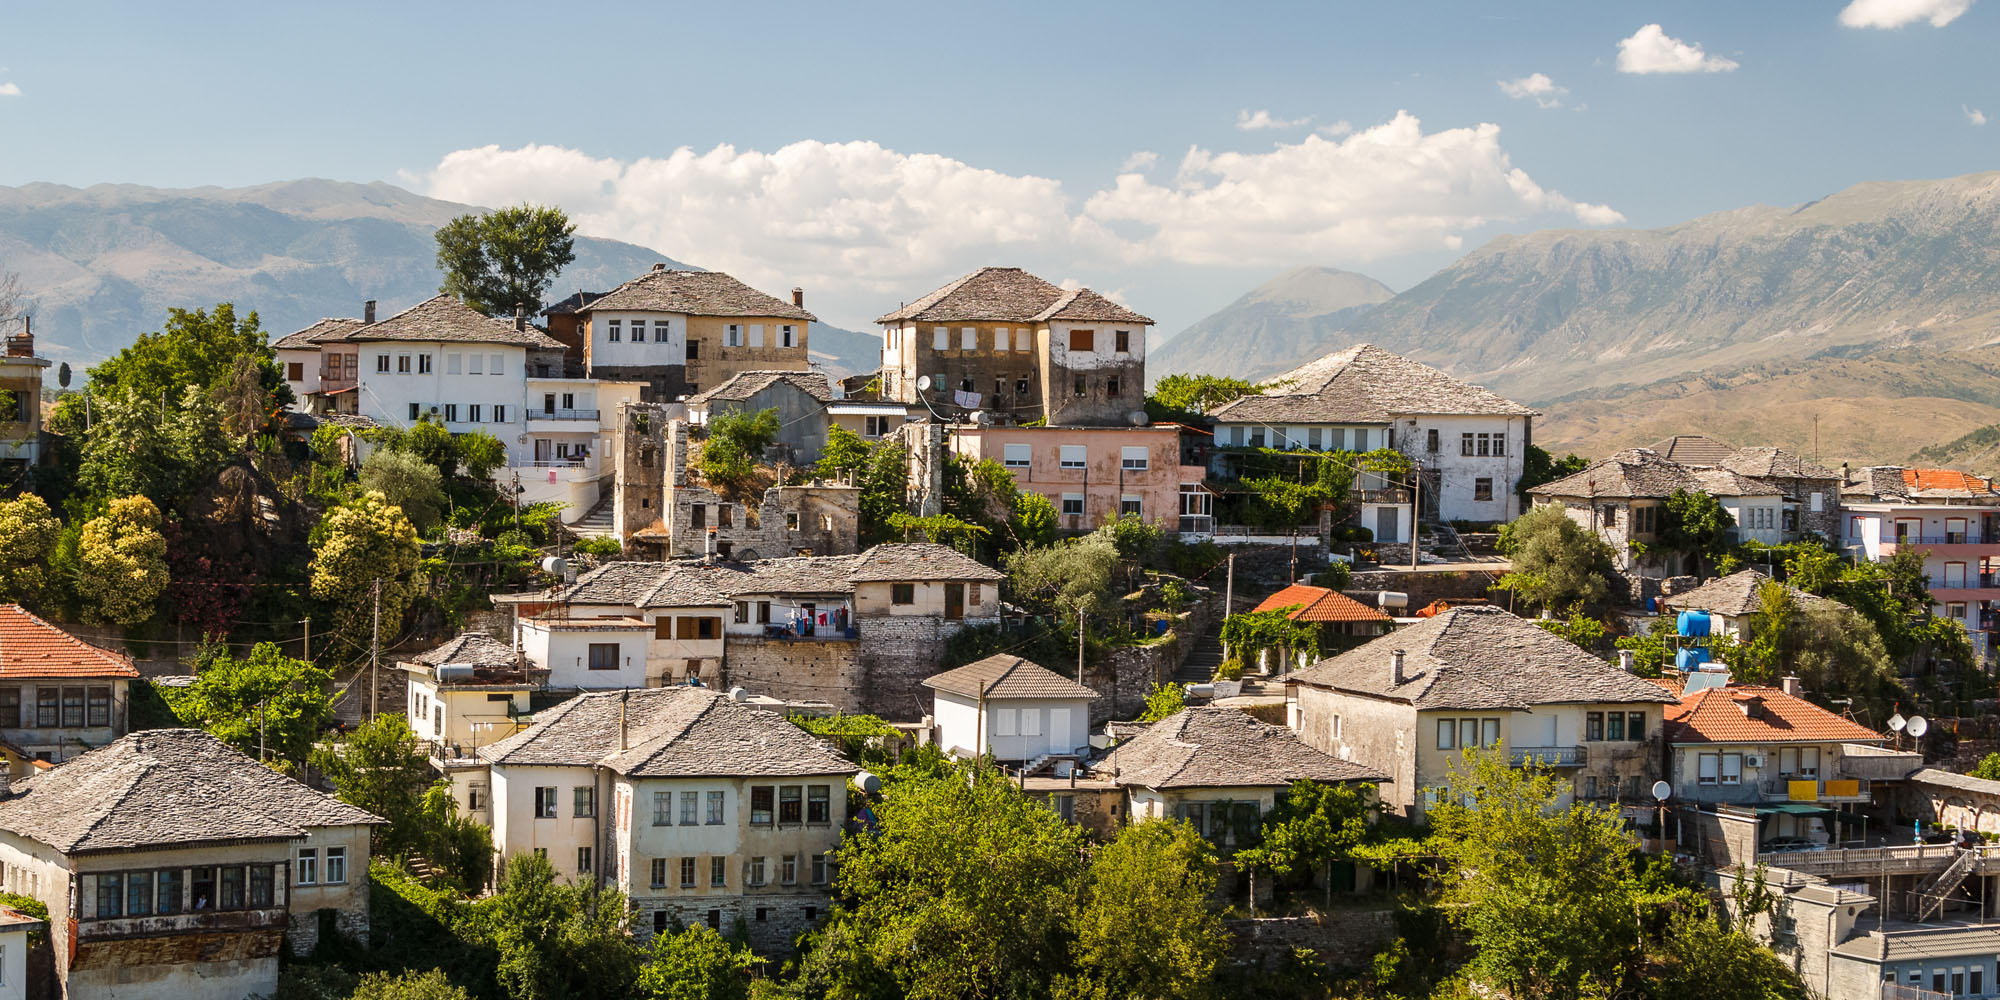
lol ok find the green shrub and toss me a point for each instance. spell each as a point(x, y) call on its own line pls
point(598, 547)
point(1231, 669)
point(1336, 576)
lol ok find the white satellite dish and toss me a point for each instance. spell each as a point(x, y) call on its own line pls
point(1896, 722)
point(1138, 418)
point(1662, 790)
point(981, 417)
point(923, 383)
point(1919, 725)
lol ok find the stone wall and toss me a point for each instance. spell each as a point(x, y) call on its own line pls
point(1423, 587)
point(897, 653)
point(1124, 679)
point(1342, 938)
point(828, 670)
point(303, 929)
point(772, 921)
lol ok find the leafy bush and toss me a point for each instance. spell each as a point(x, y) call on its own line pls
point(1336, 576)
point(601, 547)
point(1231, 669)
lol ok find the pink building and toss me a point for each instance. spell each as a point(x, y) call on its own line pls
point(1093, 474)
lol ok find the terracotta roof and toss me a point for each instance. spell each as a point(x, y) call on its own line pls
point(1011, 295)
point(1004, 676)
point(743, 385)
point(694, 293)
point(164, 787)
point(1211, 747)
point(476, 648)
point(1318, 604)
point(1694, 450)
point(1889, 483)
point(309, 338)
point(1364, 384)
point(1479, 658)
point(445, 319)
point(1736, 714)
point(1737, 594)
point(31, 647)
point(1945, 479)
point(903, 561)
point(1774, 463)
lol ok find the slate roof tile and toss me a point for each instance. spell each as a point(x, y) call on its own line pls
point(444, 319)
point(1693, 450)
point(1212, 747)
point(669, 732)
point(1364, 384)
point(309, 338)
point(902, 561)
point(743, 385)
point(1011, 295)
point(694, 293)
point(476, 648)
point(1737, 594)
point(1005, 676)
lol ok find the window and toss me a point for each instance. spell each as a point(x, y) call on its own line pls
point(639, 332)
point(1082, 340)
point(614, 331)
point(1482, 488)
point(545, 802)
point(478, 364)
point(1080, 386)
point(1447, 734)
point(874, 426)
point(968, 338)
point(1593, 726)
point(1732, 769)
point(763, 612)
point(382, 363)
point(1614, 726)
point(790, 804)
point(1021, 385)
point(1312, 438)
point(1132, 457)
point(1256, 437)
point(451, 413)
point(819, 804)
point(474, 412)
point(1130, 505)
point(1031, 722)
point(10, 707)
point(415, 411)
point(168, 898)
point(499, 413)
point(1016, 456)
point(1645, 520)
point(454, 364)
point(659, 874)
point(583, 802)
point(788, 335)
point(1121, 341)
point(1070, 456)
point(1709, 768)
point(1635, 726)
point(690, 807)
point(1431, 440)
point(99, 707)
point(940, 338)
point(718, 872)
point(1955, 609)
point(423, 364)
point(1111, 387)
point(742, 613)
point(48, 702)
point(1023, 338)
point(1610, 515)
point(72, 706)
point(1072, 504)
point(902, 593)
point(756, 335)
point(111, 895)
point(475, 796)
point(715, 809)
point(1465, 444)
point(295, 371)
point(308, 866)
point(603, 656)
point(819, 869)
point(1004, 721)
point(261, 882)
point(788, 870)
point(757, 871)
point(687, 873)
point(663, 808)
point(760, 805)
point(583, 860)
point(402, 364)
point(694, 350)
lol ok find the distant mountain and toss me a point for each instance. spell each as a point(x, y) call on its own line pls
point(844, 352)
point(1276, 326)
point(102, 265)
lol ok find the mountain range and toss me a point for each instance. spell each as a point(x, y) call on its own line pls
point(103, 264)
point(1273, 327)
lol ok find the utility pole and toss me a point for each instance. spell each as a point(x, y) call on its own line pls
point(1416, 507)
point(375, 652)
point(306, 653)
point(1228, 592)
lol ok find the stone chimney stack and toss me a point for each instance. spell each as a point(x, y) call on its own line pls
point(1396, 667)
point(799, 297)
point(623, 697)
point(368, 311)
point(1625, 660)
point(659, 267)
point(22, 345)
point(6, 783)
point(1792, 686)
point(520, 316)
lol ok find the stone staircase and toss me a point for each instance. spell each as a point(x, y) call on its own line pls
point(596, 522)
point(1204, 658)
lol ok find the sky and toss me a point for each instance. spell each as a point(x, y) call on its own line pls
point(1172, 155)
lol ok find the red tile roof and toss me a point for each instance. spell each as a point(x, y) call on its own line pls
point(31, 647)
point(1318, 604)
point(1945, 479)
point(1717, 715)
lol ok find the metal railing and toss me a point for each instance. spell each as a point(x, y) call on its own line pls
point(562, 414)
point(1815, 789)
point(1549, 756)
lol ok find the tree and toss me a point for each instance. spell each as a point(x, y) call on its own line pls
point(122, 563)
point(479, 454)
point(1314, 825)
point(1988, 767)
point(408, 482)
point(1248, 634)
point(1145, 928)
point(1813, 569)
point(884, 491)
point(1034, 519)
point(28, 533)
point(1163, 700)
point(429, 985)
point(380, 767)
point(268, 698)
point(1695, 525)
point(556, 939)
point(1555, 561)
point(196, 349)
point(844, 455)
point(1066, 576)
point(1583, 630)
point(1198, 393)
point(1702, 958)
point(1537, 467)
point(695, 964)
point(504, 258)
point(1834, 652)
point(357, 544)
point(1649, 651)
point(943, 529)
point(137, 445)
point(735, 448)
point(428, 441)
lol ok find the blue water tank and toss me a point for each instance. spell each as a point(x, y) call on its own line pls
point(1691, 659)
point(1693, 624)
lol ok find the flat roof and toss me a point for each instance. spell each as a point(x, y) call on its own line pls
point(588, 624)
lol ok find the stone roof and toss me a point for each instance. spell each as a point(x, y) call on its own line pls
point(1694, 450)
point(1725, 483)
point(743, 385)
point(1011, 295)
point(1319, 604)
point(1364, 384)
point(1005, 676)
point(1632, 473)
point(904, 561)
point(31, 647)
point(1774, 463)
point(1736, 595)
point(445, 319)
point(705, 733)
point(694, 293)
point(1747, 714)
point(573, 303)
point(1479, 658)
point(166, 787)
point(309, 338)
point(476, 648)
point(707, 585)
point(1211, 747)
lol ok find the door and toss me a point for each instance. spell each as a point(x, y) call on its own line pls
point(1059, 737)
point(954, 600)
point(541, 450)
point(1385, 523)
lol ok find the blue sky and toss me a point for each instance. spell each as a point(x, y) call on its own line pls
point(872, 151)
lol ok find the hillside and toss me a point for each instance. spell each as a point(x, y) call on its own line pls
point(1274, 327)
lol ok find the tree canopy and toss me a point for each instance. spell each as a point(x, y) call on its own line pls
point(286, 700)
point(357, 544)
point(1555, 561)
point(122, 563)
point(507, 257)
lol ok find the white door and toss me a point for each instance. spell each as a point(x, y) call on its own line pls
point(1059, 738)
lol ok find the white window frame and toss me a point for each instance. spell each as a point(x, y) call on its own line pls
point(940, 338)
point(1131, 504)
point(1024, 339)
point(968, 338)
point(308, 866)
point(1005, 720)
point(1031, 722)
point(1017, 456)
point(788, 335)
point(334, 872)
point(614, 332)
point(1134, 458)
point(756, 335)
point(1072, 456)
point(1067, 500)
point(732, 335)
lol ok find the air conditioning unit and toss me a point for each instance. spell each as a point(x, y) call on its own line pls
point(1753, 759)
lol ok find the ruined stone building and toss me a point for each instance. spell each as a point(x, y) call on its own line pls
point(801, 399)
point(683, 331)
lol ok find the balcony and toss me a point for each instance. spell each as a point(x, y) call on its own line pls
point(1549, 756)
point(590, 415)
point(1794, 789)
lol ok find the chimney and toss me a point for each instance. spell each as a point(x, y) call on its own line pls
point(6, 782)
point(1752, 706)
point(368, 311)
point(1396, 667)
point(659, 267)
point(799, 297)
point(520, 316)
point(22, 345)
point(1843, 472)
point(1791, 686)
point(1625, 660)
point(624, 696)
point(708, 547)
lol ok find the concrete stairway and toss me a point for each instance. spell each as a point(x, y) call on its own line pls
point(1204, 659)
point(596, 522)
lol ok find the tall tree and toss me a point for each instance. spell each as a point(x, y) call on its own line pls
point(408, 482)
point(695, 964)
point(196, 348)
point(123, 563)
point(358, 544)
point(28, 533)
point(504, 258)
point(1695, 525)
point(1555, 561)
point(557, 939)
point(266, 698)
point(1145, 928)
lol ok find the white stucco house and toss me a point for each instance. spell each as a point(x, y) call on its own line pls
point(1012, 708)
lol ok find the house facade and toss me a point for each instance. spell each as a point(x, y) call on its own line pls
point(1622, 500)
point(800, 398)
point(1091, 474)
point(1952, 517)
point(678, 332)
point(184, 867)
point(1412, 703)
point(59, 696)
point(1012, 709)
point(1735, 603)
point(465, 694)
point(20, 404)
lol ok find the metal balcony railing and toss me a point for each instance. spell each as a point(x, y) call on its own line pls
point(1800, 789)
point(1549, 756)
point(562, 414)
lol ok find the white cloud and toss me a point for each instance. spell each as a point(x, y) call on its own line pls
point(1139, 162)
point(1652, 50)
point(1973, 115)
point(1338, 128)
point(1897, 13)
point(1250, 121)
point(1537, 86)
point(10, 90)
point(1384, 190)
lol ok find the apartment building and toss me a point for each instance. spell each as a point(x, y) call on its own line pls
point(678, 332)
point(1952, 517)
point(1094, 474)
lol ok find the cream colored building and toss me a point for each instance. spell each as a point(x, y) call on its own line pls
point(682, 331)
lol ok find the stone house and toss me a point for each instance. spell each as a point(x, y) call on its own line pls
point(801, 399)
point(1012, 708)
point(1410, 703)
point(59, 696)
point(20, 404)
point(681, 331)
point(719, 812)
point(469, 692)
point(1622, 500)
point(1003, 342)
point(1735, 602)
point(184, 867)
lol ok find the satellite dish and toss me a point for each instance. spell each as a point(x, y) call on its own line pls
point(1896, 722)
point(981, 417)
point(1919, 725)
point(1662, 790)
point(923, 383)
point(1138, 418)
